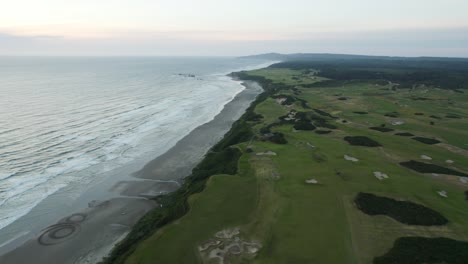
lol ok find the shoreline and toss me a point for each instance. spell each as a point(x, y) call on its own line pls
point(174, 205)
point(106, 224)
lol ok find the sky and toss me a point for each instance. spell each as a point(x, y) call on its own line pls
point(234, 27)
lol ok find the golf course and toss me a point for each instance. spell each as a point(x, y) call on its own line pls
point(326, 167)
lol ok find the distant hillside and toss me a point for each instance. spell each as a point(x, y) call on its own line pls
point(446, 73)
point(346, 57)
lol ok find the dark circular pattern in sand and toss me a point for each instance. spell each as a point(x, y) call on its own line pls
point(64, 230)
point(75, 218)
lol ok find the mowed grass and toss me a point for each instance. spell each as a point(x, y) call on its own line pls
point(300, 223)
point(287, 76)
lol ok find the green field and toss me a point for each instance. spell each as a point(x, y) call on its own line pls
point(291, 221)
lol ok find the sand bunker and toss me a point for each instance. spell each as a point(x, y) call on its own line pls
point(443, 194)
point(281, 100)
point(397, 122)
point(266, 153)
point(226, 246)
point(450, 161)
point(311, 181)
point(291, 116)
point(464, 179)
point(346, 157)
point(379, 175)
point(424, 157)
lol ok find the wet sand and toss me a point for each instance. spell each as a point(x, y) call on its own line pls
point(88, 235)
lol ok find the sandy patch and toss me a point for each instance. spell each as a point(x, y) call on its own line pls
point(397, 122)
point(281, 100)
point(311, 181)
point(227, 246)
point(346, 157)
point(443, 194)
point(450, 161)
point(266, 153)
point(291, 116)
point(424, 157)
point(380, 175)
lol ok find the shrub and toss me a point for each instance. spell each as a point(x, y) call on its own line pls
point(392, 114)
point(323, 113)
point(321, 132)
point(360, 113)
point(382, 129)
point(329, 126)
point(428, 141)
point(278, 138)
point(402, 211)
point(252, 116)
point(362, 141)
point(404, 134)
point(240, 132)
point(410, 250)
point(304, 126)
point(453, 116)
point(430, 168)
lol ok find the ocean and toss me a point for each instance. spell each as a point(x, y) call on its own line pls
point(65, 123)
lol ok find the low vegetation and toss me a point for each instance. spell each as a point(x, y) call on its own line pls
point(403, 211)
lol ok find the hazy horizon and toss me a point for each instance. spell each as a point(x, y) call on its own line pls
point(221, 28)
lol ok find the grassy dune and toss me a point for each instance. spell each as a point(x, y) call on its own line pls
point(295, 222)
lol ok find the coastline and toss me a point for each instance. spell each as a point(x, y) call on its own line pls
point(174, 205)
point(108, 222)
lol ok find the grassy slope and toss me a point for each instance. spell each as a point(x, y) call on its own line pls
point(299, 223)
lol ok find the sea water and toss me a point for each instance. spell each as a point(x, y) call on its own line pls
point(65, 122)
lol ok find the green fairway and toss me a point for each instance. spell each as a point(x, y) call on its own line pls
point(294, 221)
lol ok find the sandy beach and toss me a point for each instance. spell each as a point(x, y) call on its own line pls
point(89, 234)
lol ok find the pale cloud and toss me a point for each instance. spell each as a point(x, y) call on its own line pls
point(437, 42)
point(204, 27)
